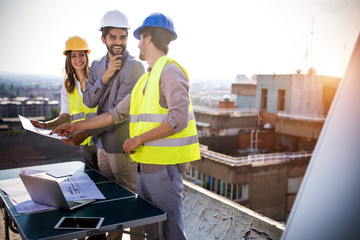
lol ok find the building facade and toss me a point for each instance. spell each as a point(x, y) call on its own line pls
point(265, 183)
point(277, 120)
point(27, 107)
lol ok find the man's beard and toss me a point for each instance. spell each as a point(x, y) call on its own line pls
point(111, 50)
point(142, 57)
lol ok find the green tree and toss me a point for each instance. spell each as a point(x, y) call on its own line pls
point(54, 113)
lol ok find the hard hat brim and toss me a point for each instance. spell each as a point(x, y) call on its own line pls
point(123, 27)
point(65, 51)
point(137, 32)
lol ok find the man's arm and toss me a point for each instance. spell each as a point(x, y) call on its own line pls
point(117, 115)
point(94, 88)
point(63, 118)
point(99, 121)
point(174, 95)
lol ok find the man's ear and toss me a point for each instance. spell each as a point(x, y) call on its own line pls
point(148, 38)
point(103, 39)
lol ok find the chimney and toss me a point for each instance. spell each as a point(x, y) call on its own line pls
point(226, 103)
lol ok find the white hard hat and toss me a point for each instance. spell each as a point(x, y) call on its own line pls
point(114, 18)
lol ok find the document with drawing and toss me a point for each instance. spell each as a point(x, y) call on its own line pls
point(44, 132)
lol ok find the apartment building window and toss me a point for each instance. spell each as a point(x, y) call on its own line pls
point(244, 191)
point(264, 96)
point(281, 100)
point(239, 192)
point(198, 180)
point(218, 186)
point(223, 188)
point(206, 182)
point(229, 191)
point(236, 191)
point(293, 185)
point(192, 173)
point(213, 184)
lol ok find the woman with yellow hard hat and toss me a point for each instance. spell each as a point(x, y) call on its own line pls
point(72, 107)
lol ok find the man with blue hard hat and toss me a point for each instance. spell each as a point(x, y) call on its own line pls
point(162, 125)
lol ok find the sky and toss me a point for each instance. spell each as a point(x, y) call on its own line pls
point(216, 39)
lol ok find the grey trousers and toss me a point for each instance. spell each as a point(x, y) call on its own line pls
point(164, 189)
point(119, 167)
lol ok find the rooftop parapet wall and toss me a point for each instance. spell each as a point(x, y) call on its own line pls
point(209, 216)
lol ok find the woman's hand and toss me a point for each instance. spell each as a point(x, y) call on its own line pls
point(38, 124)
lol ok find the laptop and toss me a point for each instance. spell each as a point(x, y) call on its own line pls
point(48, 192)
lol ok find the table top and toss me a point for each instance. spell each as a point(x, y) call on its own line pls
point(121, 208)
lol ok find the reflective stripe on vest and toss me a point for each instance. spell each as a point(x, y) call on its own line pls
point(80, 116)
point(173, 142)
point(78, 111)
point(76, 117)
point(147, 114)
point(146, 117)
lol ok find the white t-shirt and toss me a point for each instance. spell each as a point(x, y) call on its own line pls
point(65, 106)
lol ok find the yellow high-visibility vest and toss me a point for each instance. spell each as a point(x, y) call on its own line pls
point(78, 110)
point(146, 114)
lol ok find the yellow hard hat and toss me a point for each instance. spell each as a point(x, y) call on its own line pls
point(76, 43)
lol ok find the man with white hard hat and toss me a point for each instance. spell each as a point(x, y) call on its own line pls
point(111, 78)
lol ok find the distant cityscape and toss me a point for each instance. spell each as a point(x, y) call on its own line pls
point(19, 93)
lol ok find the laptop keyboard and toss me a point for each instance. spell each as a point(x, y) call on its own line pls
point(73, 204)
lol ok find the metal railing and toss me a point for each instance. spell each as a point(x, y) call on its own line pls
point(219, 111)
point(258, 159)
point(302, 116)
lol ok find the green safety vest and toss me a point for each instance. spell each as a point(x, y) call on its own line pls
point(78, 110)
point(146, 114)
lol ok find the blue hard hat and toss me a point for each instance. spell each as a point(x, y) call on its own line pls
point(156, 20)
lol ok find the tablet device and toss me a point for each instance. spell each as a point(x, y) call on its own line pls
point(79, 223)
